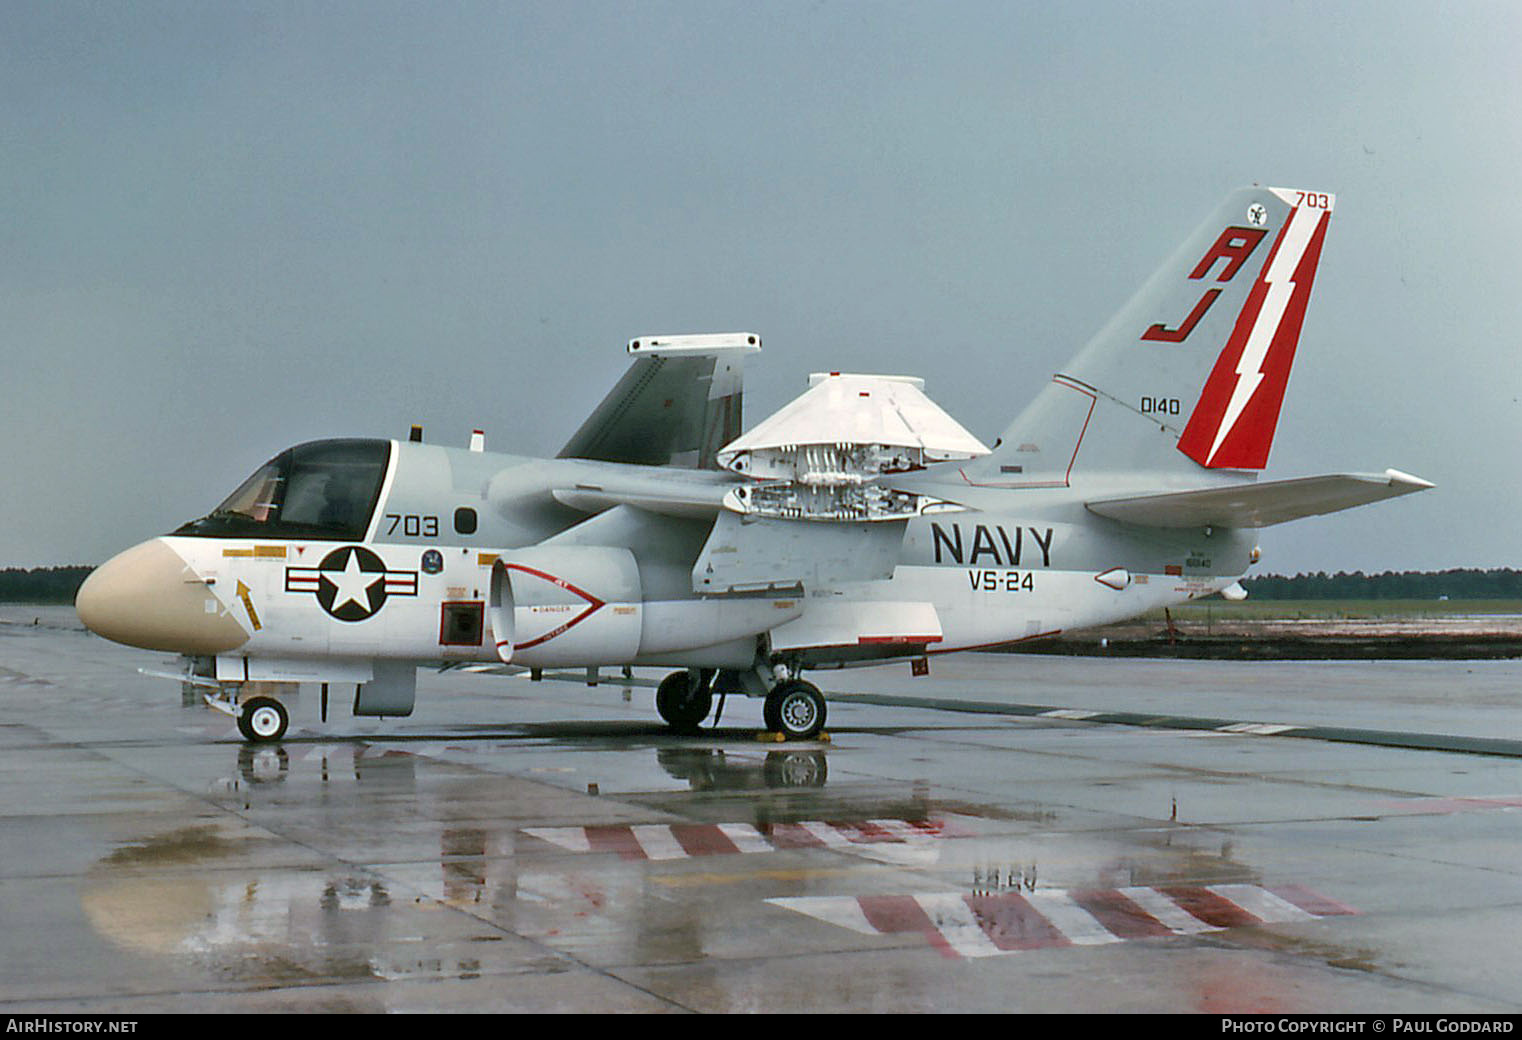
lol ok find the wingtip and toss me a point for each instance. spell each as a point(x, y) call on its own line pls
point(1395, 476)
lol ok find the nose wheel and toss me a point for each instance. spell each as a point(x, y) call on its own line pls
point(263, 719)
point(795, 708)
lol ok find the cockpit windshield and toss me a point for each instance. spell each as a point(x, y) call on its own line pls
point(325, 490)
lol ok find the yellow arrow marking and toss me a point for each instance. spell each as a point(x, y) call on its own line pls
point(248, 605)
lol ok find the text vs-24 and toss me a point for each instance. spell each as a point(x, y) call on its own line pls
point(1001, 581)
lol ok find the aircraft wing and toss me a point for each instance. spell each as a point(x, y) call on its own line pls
point(669, 492)
point(1261, 504)
point(677, 405)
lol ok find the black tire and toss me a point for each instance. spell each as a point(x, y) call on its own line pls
point(795, 709)
point(682, 702)
point(263, 719)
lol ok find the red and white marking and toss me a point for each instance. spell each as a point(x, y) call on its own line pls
point(1233, 423)
point(901, 842)
point(1011, 922)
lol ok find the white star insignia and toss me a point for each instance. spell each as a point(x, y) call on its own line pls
point(352, 585)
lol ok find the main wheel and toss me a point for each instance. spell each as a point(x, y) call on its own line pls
point(263, 719)
point(683, 701)
point(795, 709)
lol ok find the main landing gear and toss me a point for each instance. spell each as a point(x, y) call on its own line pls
point(684, 699)
point(795, 708)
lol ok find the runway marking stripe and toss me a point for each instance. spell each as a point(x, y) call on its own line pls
point(1121, 915)
point(986, 925)
point(1013, 923)
point(744, 837)
point(1079, 926)
point(615, 838)
point(959, 925)
point(684, 840)
point(574, 839)
point(1213, 909)
point(701, 839)
point(658, 842)
point(1262, 903)
point(1313, 903)
point(1167, 913)
point(889, 915)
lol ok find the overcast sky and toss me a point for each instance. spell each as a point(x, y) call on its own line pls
point(230, 227)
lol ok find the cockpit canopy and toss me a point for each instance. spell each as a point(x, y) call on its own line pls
point(323, 490)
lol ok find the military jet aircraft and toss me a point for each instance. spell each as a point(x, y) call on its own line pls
point(858, 524)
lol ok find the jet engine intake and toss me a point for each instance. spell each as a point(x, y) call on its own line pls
point(558, 606)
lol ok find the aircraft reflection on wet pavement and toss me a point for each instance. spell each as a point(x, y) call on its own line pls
point(571, 886)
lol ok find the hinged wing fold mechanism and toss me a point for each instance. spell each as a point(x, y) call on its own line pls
point(831, 453)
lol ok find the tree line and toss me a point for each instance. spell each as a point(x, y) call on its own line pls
point(1472, 583)
point(41, 584)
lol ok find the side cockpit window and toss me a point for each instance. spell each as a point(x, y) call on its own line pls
point(325, 490)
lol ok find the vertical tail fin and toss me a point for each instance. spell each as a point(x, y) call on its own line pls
point(1232, 425)
point(1190, 375)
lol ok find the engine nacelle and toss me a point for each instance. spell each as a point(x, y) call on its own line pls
point(566, 606)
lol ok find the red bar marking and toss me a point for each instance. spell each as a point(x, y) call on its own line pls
point(1120, 915)
point(859, 832)
point(1309, 901)
point(793, 836)
point(1013, 924)
point(892, 915)
point(614, 838)
point(703, 839)
point(870, 833)
point(1209, 907)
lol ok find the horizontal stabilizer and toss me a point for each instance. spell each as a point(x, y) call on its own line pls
point(1261, 504)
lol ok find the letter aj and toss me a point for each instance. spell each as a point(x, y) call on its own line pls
point(1234, 246)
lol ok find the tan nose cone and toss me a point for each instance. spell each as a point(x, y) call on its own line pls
point(148, 597)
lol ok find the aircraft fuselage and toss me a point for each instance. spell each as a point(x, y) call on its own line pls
point(418, 583)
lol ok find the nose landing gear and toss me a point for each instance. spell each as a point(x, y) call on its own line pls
point(263, 719)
